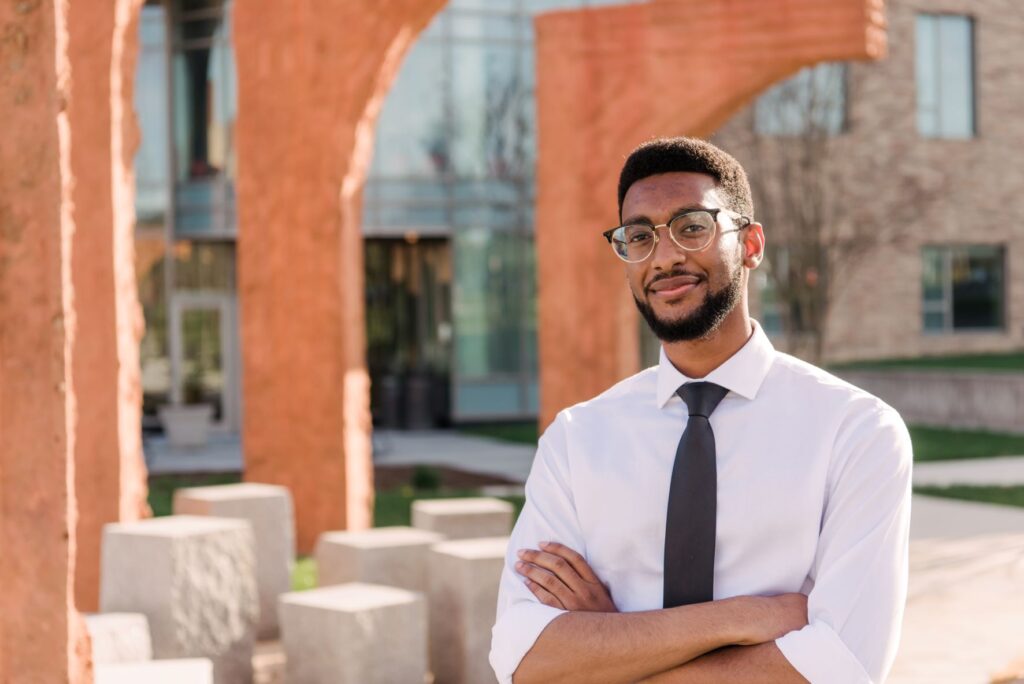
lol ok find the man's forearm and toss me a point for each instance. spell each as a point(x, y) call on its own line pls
point(625, 647)
point(755, 664)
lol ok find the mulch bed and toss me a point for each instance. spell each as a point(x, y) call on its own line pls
point(393, 477)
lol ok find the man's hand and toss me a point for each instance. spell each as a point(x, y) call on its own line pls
point(561, 578)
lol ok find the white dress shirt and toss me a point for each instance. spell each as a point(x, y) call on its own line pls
point(813, 497)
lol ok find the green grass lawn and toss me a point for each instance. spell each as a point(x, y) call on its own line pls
point(520, 432)
point(162, 487)
point(1008, 496)
point(930, 444)
point(1009, 362)
point(937, 444)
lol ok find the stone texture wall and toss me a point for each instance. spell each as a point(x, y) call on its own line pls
point(960, 191)
point(110, 473)
point(312, 77)
point(596, 101)
point(973, 401)
point(42, 637)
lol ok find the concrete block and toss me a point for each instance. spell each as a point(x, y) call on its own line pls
point(392, 556)
point(180, 671)
point(354, 634)
point(119, 637)
point(194, 578)
point(463, 598)
point(463, 518)
point(268, 508)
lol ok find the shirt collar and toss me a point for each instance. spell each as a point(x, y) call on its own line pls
point(742, 373)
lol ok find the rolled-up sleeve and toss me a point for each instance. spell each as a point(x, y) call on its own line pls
point(855, 609)
point(549, 515)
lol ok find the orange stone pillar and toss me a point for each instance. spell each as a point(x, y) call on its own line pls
point(312, 77)
point(109, 468)
point(609, 78)
point(41, 634)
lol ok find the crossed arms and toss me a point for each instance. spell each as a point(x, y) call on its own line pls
point(596, 643)
point(847, 633)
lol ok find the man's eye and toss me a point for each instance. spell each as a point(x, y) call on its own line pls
point(639, 237)
point(693, 228)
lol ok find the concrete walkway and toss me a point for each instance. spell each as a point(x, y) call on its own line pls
point(999, 470)
point(448, 448)
point(453, 450)
point(964, 620)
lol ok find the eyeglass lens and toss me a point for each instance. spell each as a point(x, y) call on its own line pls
point(691, 231)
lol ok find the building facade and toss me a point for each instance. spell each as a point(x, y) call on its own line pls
point(921, 182)
point(919, 164)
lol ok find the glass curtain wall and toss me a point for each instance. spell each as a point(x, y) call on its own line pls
point(152, 206)
point(205, 104)
point(184, 169)
point(454, 162)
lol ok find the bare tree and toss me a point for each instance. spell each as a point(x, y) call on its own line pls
point(797, 158)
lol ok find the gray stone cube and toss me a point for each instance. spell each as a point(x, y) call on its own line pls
point(463, 598)
point(194, 578)
point(119, 637)
point(463, 518)
point(354, 634)
point(393, 556)
point(177, 671)
point(268, 508)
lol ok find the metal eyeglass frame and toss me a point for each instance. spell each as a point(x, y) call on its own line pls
point(654, 228)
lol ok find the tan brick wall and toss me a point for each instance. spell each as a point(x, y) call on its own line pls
point(968, 191)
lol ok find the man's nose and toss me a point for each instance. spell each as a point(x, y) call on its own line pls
point(666, 252)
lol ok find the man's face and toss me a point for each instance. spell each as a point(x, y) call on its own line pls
point(684, 295)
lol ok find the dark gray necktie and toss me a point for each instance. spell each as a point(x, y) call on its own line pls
point(692, 502)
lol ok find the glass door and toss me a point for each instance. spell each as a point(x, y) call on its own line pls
point(203, 352)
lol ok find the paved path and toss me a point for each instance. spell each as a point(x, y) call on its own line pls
point(965, 611)
point(1000, 470)
point(448, 448)
point(454, 450)
point(222, 454)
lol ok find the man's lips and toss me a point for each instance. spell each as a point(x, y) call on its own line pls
point(674, 286)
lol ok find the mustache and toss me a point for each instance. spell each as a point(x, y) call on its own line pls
point(674, 273)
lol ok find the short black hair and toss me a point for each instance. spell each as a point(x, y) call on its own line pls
point(665, 155)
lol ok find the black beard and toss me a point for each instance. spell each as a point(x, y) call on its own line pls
point(702, 322)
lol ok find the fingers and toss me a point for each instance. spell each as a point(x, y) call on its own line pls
point(577, 561)
point(547, 580)
point(544, 596)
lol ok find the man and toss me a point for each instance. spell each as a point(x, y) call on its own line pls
point(731, 515)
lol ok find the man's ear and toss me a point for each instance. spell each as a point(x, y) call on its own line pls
point(753, 245)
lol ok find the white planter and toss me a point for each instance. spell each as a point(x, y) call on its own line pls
point(186, 426)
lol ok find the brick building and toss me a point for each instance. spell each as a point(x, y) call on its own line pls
point(920, 167)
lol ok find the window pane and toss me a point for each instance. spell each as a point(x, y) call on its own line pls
point(490, 107)
point(945, 76)
point(932, 275)
point(956, 101)
point(411, 139)
point(151, 105)
point(205, 90)
point(977, 276)
point(934, 321)
point(813, 99)
point(927, 76)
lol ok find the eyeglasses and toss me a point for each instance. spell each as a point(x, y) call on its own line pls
point(692, 230)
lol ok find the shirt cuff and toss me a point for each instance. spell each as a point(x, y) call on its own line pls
point(817, 653)
point(515, 633)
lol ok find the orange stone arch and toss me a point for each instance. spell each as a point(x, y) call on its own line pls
point(612, 77)
point(312, 77)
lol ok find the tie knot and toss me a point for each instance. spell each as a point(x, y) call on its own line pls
point(701, 398)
